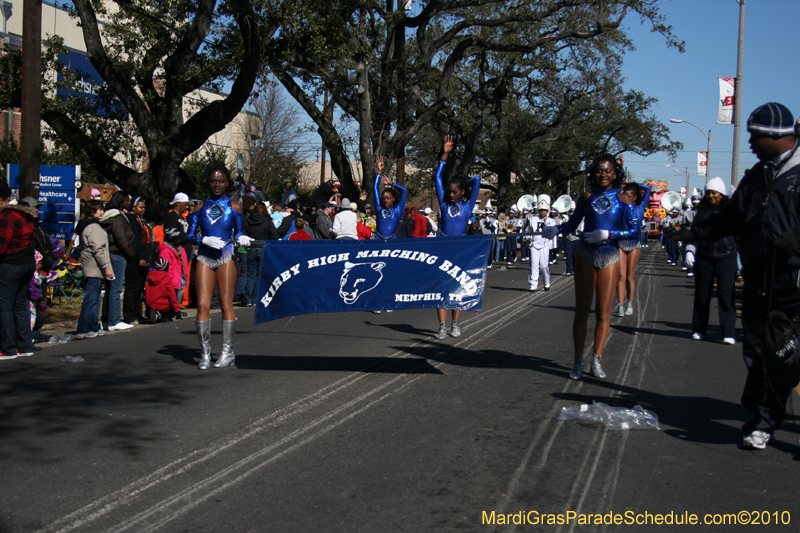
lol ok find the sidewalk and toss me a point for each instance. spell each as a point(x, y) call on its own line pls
point(69, 326)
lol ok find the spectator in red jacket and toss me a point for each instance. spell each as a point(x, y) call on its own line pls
point(364, 231)
point(300, 234)
point(17, 267)
point(420, 223)
point(160, 291)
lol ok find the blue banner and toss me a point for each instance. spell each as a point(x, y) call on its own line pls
point(300, 277)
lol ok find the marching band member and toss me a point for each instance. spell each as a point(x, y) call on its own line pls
point(392, 202)
point(219, 221)
point(608, 217)
point(540, 246)
point(457, 199)
point(629, 249)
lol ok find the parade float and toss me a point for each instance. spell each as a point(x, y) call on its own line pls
point(655, 212)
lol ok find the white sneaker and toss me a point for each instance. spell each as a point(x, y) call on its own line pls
point(629, 309)
point(757, 440)
point(87, 335)
point(532, 288)
point(488, 266)
point(690, 275)
point(684, 269)
point(122, 326)
point(621, 310)
point(697, 337)
point(729, 340)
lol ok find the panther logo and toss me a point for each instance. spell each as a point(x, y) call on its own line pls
point(359, 278)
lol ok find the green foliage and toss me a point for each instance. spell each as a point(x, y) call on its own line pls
point(451, 66)
point(196, 168)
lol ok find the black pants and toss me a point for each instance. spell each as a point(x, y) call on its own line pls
point(135, 279)
point(765, 394)
point(706, 270)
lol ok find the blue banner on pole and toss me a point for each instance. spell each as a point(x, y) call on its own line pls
point(300, 277)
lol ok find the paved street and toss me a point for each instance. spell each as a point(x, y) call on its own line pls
point(358, 422)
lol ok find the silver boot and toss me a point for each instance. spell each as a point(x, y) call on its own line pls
point(577, 367)
point(597, 367)
point(227, 357)
point(204, 336)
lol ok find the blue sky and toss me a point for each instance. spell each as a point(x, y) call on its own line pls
point(686, 85)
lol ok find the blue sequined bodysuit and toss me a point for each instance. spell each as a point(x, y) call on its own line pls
point(603, 210)
point(455, 217)
point(215, 219)
point(387, 219)
point(628, 245)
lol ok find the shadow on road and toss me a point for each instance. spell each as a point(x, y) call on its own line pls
point(310, 363)
point(94, 399)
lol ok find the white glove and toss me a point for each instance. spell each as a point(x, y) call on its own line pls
point(244, 240)
point(548, 232)
point(598, 235)
point(214, 242)
point(689, 260)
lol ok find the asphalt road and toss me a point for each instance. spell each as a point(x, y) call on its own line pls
point(361, 422)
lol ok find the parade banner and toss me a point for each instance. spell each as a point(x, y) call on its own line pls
point(300, 277)
point(702, 163)
point(726, 100)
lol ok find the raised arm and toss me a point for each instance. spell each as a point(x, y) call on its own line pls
point(401, 203)
point(475, 188)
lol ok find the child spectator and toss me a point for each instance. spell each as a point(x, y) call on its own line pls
point(364, 231)
point(176, 258)
point(160, 291)
point(300, 234)
point(38, 298)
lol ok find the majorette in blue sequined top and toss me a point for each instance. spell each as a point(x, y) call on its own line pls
point(387, 219)
point(455, 217)
point(604, 210)
point(215, 219)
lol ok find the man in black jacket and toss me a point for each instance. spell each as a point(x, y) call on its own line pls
point(765, 213)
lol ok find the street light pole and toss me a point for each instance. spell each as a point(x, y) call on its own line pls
point(708, 150)
point(737, 108)
point(687, 177)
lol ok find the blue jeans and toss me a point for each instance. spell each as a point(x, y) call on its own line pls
point(499, 249)
point(90, 310)
point(112, 306)
point(15, 319)
point(253, 264)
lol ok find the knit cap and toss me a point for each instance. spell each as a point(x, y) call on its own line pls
point(771, 120)
point(716, 184)
point(161, 264)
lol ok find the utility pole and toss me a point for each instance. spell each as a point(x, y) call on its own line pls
point(737, 108)
point(30, 131)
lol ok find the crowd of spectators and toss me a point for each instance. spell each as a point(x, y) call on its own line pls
point(133, 272)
